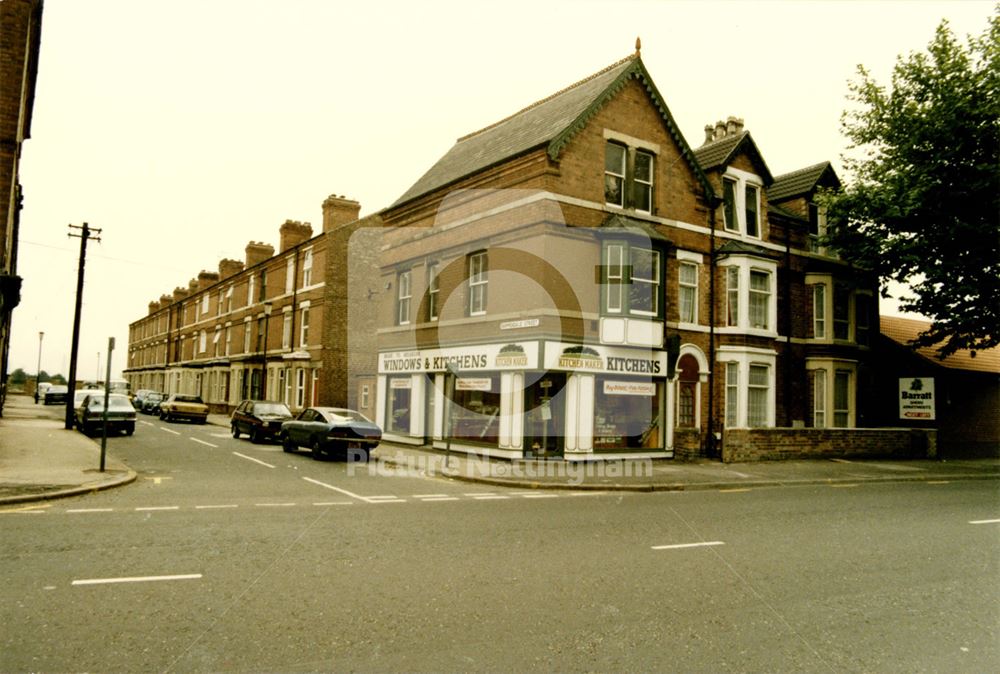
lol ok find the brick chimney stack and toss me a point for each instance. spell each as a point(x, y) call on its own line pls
point(180, 293)
point(293, 233)
point(166, 300)
point(709, 133)
point(229, 267)
point(206, 279)
point(339, 211)
point(257, 252)
point(154, 306)
point(192, 286)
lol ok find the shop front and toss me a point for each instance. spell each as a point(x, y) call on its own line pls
point(528, 399)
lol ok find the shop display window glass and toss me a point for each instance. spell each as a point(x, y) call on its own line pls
point(476, 409)
point(627, 414)
point(397, 418)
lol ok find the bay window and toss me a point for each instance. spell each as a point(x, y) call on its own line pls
point(631, 279)
point(750, 304)
point(749, 386)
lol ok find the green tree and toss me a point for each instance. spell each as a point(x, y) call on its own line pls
point(921, 205)
point(18, 377)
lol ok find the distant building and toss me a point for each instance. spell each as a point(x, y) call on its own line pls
point(273, 326)
point(20, 37)
point(966, 390)
point(576, 280)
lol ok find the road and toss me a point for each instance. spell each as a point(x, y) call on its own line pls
point(230, 556)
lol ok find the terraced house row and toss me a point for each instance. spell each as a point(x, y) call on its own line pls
point(575, 280)
point(265, 327)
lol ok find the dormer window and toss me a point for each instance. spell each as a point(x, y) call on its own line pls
point(741, 204)
point(628, 177)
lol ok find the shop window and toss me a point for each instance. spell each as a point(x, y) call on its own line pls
point(476, 410)
point(627, 414)
point(403, 296)
point(628, 177)
point(478, 279)
point(631, 279)
point(397, 417)
point(687, 280)
point(433, 291)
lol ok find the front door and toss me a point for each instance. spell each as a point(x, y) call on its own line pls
point(545, 416)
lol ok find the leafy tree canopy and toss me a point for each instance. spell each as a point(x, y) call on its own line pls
point(18, 376)
point(922, 206)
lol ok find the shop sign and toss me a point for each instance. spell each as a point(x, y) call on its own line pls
point(598, 358)
point(916, 398)
point(400, 382)
point(473, 384)
point(480, 357)
point(630, 388)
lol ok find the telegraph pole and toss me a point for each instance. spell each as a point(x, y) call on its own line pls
point(85, 233)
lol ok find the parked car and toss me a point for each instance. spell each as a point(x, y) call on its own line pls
point(56, 394)
point(139, 396)
point(40, 390)
point(181, 406)
point(80, 395)
point(151, 402)
point(327, 429)
point(121, 414)
point(260, 419)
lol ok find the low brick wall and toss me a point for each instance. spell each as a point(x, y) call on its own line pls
point(776, 444)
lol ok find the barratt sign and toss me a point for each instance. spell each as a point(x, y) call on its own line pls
point(474, 358)
point(916, 398)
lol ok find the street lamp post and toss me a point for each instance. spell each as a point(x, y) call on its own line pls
point(38, 369)
point(263, 379)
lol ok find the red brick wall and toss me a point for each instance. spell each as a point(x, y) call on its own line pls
point(773, 444)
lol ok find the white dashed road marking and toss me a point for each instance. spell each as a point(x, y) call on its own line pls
point(687, 545)
point(167, 430)
point(202, 442)
point(250, 458)
point(984, 521)
point(136, 579)
point(159, 508)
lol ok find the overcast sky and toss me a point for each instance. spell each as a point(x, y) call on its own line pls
point(185, 128)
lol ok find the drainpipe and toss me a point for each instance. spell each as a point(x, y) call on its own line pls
point(786, 376)
point(711, 445)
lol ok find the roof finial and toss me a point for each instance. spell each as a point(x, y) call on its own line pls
point(638, 45)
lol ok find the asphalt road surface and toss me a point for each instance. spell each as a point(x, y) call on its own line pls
point(230, 556)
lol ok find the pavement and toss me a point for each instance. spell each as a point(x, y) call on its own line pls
point(40, 460)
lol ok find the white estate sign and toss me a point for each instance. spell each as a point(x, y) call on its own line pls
point(603, 359)
point(472, 358)
point(916, 398)
point(630, 388)
point(473, 384)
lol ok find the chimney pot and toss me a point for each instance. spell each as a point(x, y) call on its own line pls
point(709, 133)
point(720, 130)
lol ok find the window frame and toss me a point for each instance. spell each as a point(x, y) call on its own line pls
point(687, 287)
point(404, 296)
point(433, 290)
point(611, 175)
point(304, 326)
point(478, 282)
point(307, 267)
point(618, 277)
point(737, 207)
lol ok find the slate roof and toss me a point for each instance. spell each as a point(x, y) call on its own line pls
point(801, 181)
point(735, 247)
point(720, 152)
point(774, 209)
point(905, 330)
point(552, 121)
point(617, 221)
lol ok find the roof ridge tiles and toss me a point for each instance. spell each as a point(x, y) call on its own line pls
point(602, 71)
